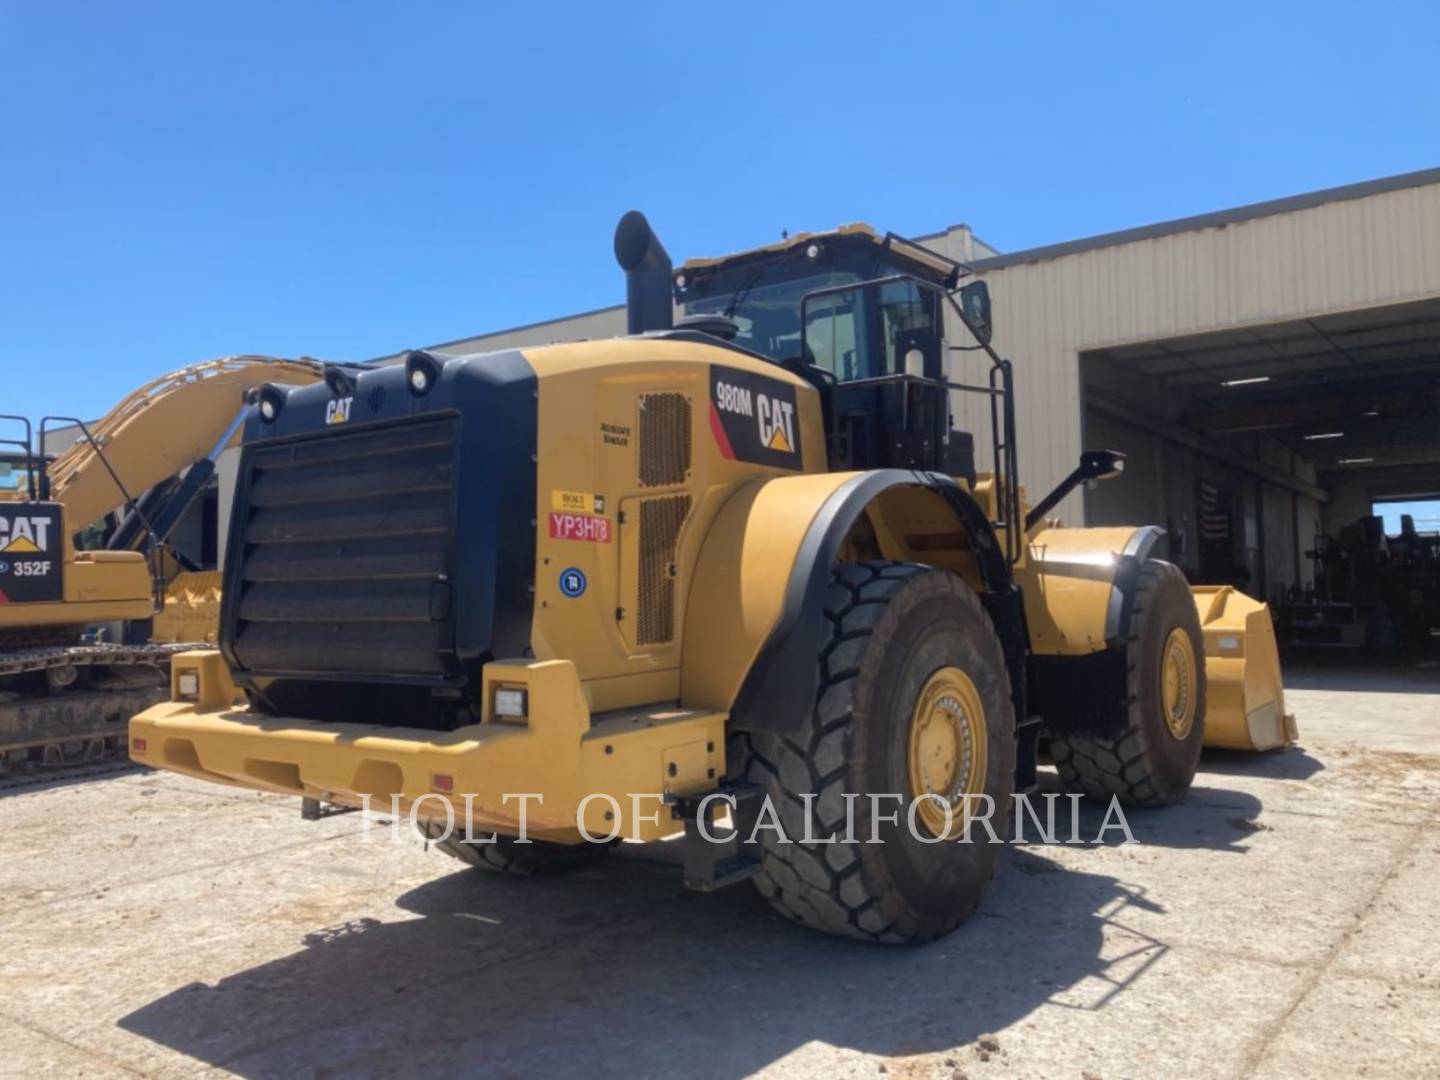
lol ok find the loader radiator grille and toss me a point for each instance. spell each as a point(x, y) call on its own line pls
point(661, 520)
point(346, 543)
point(664, 439)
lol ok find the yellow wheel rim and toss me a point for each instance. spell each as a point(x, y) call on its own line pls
point(1178, 679)
point(948, 750)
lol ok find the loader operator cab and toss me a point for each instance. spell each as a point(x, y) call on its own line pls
point(863, 318)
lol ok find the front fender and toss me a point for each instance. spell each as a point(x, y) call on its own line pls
point(1078, 584)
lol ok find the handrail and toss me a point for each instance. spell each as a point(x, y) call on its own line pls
point(28, 447)
point(1002, 401)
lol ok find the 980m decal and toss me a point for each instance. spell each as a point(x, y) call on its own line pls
point(754, 418)
point(30, 553)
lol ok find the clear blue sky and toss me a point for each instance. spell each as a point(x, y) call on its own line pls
point(181, 181)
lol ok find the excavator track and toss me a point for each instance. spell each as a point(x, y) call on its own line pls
point(61, 705)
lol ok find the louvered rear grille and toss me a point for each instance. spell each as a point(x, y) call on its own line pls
point(664, 439)
point(346, 546)
point(661, 520)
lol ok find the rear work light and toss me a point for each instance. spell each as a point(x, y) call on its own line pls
point(511, 701)
point(188, 685)
point(422, 371)
point(271, 400)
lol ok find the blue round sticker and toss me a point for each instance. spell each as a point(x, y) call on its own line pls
point(572, 582)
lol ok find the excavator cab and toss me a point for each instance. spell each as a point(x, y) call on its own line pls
point(17, 476)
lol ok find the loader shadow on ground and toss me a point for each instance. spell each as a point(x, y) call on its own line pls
point(1293, 763)
point(615, 971)
point(668, 984)
point(1210, 818)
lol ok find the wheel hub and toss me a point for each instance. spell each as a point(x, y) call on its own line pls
point(1178, 680)
point(948, 751)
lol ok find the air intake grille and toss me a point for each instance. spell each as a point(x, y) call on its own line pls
point(346, 540)
point(664, 439)
point(661, 520)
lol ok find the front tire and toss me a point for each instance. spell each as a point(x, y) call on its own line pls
point(1153, 761)
point(913, 702)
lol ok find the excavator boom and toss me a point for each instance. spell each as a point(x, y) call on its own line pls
point(161, 429)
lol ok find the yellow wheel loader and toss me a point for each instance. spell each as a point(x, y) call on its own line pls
point(608, 589)
point(78, 653)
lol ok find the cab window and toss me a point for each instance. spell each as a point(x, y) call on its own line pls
point(908, 323)
point(767, 315)
point(834, 337)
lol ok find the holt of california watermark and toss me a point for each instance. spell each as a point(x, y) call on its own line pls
point(869, 818)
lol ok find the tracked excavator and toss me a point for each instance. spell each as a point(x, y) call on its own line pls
point(94, 600)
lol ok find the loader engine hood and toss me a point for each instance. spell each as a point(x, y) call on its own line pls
point(381, 544)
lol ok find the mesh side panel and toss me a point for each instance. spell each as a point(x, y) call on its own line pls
point(664, 439)
point(660, 522)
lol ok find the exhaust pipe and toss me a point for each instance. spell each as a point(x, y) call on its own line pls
point(638, 250)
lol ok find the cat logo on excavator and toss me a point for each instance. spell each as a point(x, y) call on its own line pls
point(24, 534)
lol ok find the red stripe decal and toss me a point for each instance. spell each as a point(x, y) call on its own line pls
point(719, 431)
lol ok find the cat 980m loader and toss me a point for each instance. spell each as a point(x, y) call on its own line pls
point(745, 556)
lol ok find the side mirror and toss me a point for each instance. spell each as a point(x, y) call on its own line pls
point(1095, 465)
point(1101, 464)
point(975, 303)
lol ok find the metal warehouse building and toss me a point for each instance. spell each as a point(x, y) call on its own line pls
point(1271, 370)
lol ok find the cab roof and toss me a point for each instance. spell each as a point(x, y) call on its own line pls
point(855, 236)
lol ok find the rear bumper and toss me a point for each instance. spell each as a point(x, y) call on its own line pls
point(558, 765)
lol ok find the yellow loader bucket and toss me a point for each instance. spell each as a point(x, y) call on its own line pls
point(192, 608)
point(1245, 699)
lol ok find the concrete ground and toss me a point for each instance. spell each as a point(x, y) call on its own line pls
point(1282, 923)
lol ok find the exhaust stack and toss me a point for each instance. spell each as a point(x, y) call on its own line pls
point(647, 275)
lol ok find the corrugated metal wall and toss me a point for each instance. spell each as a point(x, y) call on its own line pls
point(1348, 253)
point(1343, 255)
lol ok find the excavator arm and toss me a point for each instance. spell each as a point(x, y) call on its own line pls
point(166, 426)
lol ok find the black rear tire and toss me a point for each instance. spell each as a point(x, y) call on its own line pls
point(506, 855)
point(889, 629)
point(1147, 764)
